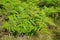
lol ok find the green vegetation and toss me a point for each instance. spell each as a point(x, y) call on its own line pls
point(29, 17)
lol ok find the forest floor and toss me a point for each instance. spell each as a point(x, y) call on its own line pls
point(7, 35)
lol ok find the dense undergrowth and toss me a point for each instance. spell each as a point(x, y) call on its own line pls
point(27, 17)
